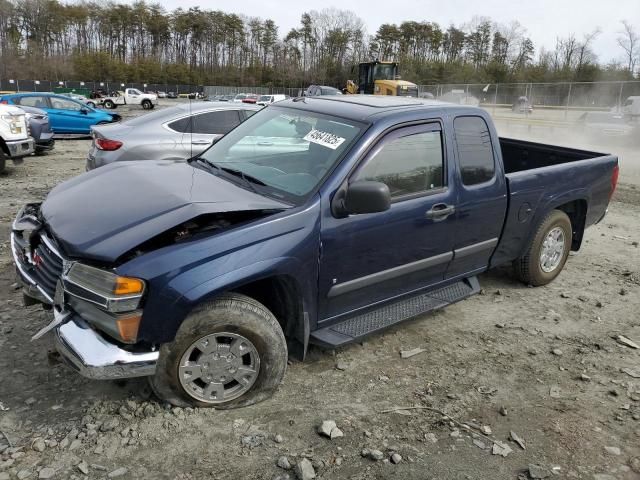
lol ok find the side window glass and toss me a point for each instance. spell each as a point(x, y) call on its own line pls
point(38, 102)
point(63, 104)
point(407, 165)
point(181, 126)
point(216, 123)
point(475, 154)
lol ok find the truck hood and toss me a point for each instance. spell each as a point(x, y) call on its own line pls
point(103, 214)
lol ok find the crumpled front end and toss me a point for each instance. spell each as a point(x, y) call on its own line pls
point(86, 322)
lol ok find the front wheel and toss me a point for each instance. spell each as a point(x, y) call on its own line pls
point(147, 105)
point(229, 353)
point(548, 252)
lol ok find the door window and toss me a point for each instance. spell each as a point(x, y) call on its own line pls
point(35, 101)
point(475, 153)
point(216, 123)
point(408, 164)
point(65, 104)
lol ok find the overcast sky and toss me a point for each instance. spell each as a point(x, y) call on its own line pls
point(544, 19)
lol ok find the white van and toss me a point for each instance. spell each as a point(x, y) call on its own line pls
point(265, 100)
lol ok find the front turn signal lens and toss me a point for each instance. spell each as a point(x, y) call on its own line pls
point(128, 286)
point(128, 327)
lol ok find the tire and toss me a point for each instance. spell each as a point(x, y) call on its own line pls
point(229, 314)
point(147, 105)
point(3, 160)
point(91, 104)
point(109, 104)
point(529, 268)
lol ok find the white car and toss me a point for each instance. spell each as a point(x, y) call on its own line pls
point(265, 100)
point(239, 97)
point(14, 135)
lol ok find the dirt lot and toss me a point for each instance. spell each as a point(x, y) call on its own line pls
point(541, 365)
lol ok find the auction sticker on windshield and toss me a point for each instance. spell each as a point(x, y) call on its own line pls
point(325, 139)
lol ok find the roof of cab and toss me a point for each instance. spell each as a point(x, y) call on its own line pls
point(362, 107)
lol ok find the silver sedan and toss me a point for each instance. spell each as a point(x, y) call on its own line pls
point(175, 133)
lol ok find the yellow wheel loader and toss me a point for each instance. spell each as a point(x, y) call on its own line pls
point(380, 78)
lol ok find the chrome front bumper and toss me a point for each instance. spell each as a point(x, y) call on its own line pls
point(94, 357)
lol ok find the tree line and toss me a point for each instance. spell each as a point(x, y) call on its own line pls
point(142, 42)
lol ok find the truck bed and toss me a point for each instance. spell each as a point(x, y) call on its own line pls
point(541, 178)
point(519, 155)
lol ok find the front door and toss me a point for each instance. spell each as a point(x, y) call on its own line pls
point(375, 257)
point(69, 116)
point(207, 127)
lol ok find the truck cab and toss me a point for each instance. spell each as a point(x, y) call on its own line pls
point(15, 142)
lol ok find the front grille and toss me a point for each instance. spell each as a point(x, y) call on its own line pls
point(41, 266)
point(47, 266)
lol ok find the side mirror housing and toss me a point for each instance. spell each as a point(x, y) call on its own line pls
point(366, 196)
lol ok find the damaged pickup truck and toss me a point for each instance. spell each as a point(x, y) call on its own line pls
point(317, 220)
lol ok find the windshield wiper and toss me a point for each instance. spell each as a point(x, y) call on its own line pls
point(248, 179)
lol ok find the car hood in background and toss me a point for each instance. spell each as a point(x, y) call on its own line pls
point(105, 213)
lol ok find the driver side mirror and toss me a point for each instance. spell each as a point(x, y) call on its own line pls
point(366, 196)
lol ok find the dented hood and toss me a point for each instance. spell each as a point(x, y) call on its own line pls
point(107, 212)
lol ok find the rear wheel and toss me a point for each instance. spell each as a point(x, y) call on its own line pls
point(147, 105)
point(109, 104)
point(229, 353)
point(91, 104)
point(548, 251)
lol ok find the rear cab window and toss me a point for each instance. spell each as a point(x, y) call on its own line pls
point(475, 151)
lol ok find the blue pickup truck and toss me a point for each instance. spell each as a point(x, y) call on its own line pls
point(316, 221)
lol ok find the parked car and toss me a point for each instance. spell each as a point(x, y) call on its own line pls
point(172, 95)
point(631, 107)
point(15, 142)
point(161, 94)
point(130, 96)
point(522, 105)
point(39, 128)
point(66, 115)
point(238, 98)
point(175, 133)
point(316, 90)
point(607, 126)
point(205, 275)
point(268, 99)
point(251, 98)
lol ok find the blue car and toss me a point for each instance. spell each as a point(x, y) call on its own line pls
point(66, 115)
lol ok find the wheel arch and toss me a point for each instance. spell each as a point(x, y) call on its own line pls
point(576, 210)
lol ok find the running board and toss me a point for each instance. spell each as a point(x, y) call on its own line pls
point(358, 327)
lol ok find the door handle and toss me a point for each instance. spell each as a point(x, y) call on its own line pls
point(440, 211)
point(200, 142)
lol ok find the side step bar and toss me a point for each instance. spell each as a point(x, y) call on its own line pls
point(363, 324)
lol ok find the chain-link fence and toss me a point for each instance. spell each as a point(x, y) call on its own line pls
point(12, 85)
point(566, 97)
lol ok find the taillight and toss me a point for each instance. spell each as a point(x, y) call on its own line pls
point(614, 179)
point(4, 102)
point(108, 145)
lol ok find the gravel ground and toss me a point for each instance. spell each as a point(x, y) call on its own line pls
point(539, 366)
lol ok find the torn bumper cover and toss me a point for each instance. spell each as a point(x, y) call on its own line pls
point(39, 268)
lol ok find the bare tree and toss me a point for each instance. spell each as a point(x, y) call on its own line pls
point(629, 41)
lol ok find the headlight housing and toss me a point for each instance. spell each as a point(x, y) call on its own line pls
point(112, 292)
point(15, 122)
point(117, 299)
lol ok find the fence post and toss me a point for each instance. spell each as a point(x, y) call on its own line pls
point(566, 110)
point(620, 97)
point(495, 100)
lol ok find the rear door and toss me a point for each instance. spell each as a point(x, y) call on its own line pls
point(481, 195)
point(373, 258)
point(206, 127)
